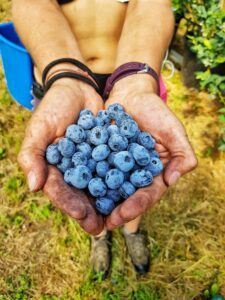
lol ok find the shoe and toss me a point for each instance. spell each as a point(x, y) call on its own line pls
point(101, 254)
point(138, 251)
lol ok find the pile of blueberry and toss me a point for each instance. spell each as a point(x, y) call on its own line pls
point(108, 155)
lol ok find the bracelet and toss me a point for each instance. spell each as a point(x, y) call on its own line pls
point(72, 61)
point(127, 70)
point(70, 75)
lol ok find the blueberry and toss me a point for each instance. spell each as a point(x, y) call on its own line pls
point(141, 178)
point(114, 109)
point(68, 174)
point(75, 133)
point(131, 147)
point(104, 116)
point(114, 179)
point(141, 155)
point(104, 205)
point(127, 189)
point(118, 142)
point(155, 166)
point(97, 187)
point(79, 159)
point(91, 164)
point(99, 135)
point(86, 121)
point(134, 138)
point(146, 140)
point(128, 128)
point(66, 147)
point(114, 195)
point(88, 134)
point(99, 122)
point(66, 163)
point(112, 129)
point(85, 148)
point(154, 153)
point(111, 158)
point(84, 112)
point(124, 161)
point(100, 152)
point(102, 168)
point(78, 177)
point(122, 116)
point(53, 155)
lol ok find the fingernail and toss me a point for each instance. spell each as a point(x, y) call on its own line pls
point(174, 177)
point(32, 182)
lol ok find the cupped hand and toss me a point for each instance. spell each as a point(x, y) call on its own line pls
point(59, 108)
point(152, 115)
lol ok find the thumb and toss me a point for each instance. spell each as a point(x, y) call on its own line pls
point(32, 161)
point(183, 159)
point(32, 154)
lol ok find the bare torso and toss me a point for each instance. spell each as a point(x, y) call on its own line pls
point(97, 25)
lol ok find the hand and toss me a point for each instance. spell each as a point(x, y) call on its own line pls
point(58, 109)
point(137, 95)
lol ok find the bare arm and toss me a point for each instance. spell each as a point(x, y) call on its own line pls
point(146, 33)
point(44, 31)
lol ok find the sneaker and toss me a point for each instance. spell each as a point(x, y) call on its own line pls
point(101, 254)
point(138, 251)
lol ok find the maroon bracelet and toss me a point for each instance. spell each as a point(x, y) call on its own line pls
point(127, 70)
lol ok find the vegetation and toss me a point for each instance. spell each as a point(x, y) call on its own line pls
point(205, 32)
point(44, 254)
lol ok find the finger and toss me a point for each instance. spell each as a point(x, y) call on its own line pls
point(137, 204)
point(72, 202)
point(95, 105)
point(32, 154)
point(183, 159)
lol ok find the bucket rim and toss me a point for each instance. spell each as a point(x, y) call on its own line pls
point(5, 40)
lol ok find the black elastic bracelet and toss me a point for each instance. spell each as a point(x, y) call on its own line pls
point(70, 75)
point(72, 61)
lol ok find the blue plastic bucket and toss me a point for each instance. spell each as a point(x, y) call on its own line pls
point(17, 65)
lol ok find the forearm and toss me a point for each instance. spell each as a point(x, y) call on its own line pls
point(146, 33)
point(44, 31)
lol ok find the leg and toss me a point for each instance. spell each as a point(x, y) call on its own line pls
point(101, 253)
point(132, 226)
point(136, 246)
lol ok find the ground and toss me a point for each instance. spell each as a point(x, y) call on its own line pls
point(44, 254)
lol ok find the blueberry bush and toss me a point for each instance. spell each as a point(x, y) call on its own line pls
point(205, 33)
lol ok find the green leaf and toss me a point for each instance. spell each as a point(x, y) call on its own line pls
point(222, 118)
point(206, 294)
point(222, 147)
point(214, 287)
point(220, 59)
point(208, 44)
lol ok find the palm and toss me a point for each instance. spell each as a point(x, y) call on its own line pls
point(153, 116)
point(47, 125)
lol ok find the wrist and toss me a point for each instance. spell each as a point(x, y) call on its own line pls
point(134, 84)
point(75, 87)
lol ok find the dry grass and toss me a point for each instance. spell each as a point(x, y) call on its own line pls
point(44, 254)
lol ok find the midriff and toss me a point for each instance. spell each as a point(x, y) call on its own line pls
point(97, 26)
